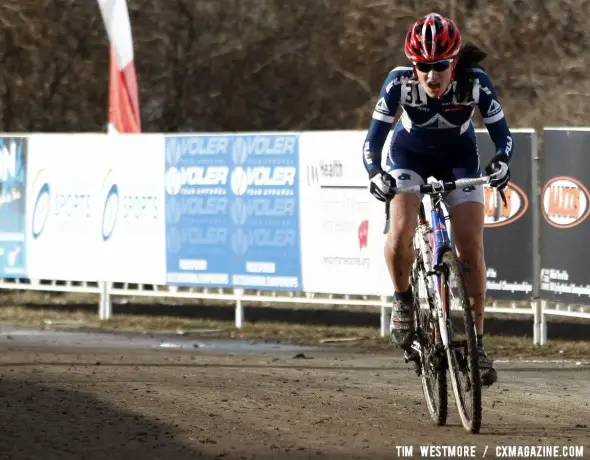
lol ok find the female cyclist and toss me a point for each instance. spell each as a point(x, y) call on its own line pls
point(434, 136)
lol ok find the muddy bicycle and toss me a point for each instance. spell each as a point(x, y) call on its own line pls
point(442, 343)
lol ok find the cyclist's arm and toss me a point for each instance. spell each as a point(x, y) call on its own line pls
point(493, 115)
point(382, 119)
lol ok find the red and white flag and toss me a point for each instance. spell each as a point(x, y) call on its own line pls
point(124, 116)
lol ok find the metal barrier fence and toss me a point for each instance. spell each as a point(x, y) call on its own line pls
point(538, 309)
point(534, 246)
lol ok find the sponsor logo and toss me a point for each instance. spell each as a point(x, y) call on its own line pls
point(176, 178)
point(176, 208)
point(177, 147)
point(367, 153)
point(239, 242)
point(261, 207)
point(494, 108)
point(239, 151)
point(363, 234)
point(244, 147)
point(565, 202)
point(313, 175)
point(203, 236)
point(261, 176)
point(110, 209)
point(498, 215)
point(12, 160)
point(118, 204)
point(508, 145)
point(42, 203)
point(332, 168)
point(242, 240)
point(382, 106)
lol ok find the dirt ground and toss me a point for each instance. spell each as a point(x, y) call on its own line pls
point(124, 397)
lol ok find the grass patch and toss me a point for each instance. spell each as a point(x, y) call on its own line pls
point(364, 337)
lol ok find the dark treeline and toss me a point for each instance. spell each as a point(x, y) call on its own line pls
point(237, 65)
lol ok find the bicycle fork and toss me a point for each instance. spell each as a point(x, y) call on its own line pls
point(434, 285)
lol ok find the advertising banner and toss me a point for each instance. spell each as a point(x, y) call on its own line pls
point(342, 241)
point(233, 211)
point(508, 229)
point(565, 206)
point(95, 208)
point(13, 179)
point(341, 222)
point(132, 207)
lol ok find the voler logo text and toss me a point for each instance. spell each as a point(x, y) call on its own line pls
point(261, 176)
point(176, 178)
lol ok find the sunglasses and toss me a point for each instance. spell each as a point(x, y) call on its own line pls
point(439, 66)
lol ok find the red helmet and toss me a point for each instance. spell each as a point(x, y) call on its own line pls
point(432, 38)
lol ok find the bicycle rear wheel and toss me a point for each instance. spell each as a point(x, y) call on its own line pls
point(432, 366)
point(462, 355)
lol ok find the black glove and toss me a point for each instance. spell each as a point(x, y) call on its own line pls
point(500, 182)
point(381, 185)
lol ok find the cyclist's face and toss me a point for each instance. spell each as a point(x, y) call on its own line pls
point(435, 78)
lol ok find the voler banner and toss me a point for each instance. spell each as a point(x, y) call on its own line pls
point(232, 211)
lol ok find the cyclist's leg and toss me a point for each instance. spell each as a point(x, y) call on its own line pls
point(467, 217)
point(399, 251)
point(467, 221)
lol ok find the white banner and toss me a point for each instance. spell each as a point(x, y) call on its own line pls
point(95, 208)
point(133, 229)
point(341, 222)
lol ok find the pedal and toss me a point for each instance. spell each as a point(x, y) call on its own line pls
point(410, 355)
point(489, 378)
point(413, 356)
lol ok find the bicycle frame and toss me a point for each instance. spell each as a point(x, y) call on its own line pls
point(435, 267)
point(432, 258)
point(441, 246)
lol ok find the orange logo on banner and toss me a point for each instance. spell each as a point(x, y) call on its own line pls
point(517, 204)
point(566, 202)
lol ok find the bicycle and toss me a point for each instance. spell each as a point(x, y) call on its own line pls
point(436, 346)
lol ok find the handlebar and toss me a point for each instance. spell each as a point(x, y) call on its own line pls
point(439, 187)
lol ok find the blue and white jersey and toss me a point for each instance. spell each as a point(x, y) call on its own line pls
point(428, 124)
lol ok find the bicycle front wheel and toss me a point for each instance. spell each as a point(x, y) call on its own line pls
point(461, 353)
point(432, 364)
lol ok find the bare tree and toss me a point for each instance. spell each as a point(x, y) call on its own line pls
point(242, 65)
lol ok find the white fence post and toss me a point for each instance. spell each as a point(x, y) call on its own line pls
point(239, 314)
point(105, 307)
point(537, 318)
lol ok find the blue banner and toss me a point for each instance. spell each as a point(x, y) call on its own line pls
point(13, 177)
point(232, 210)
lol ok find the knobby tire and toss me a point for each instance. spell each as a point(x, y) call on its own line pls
point(471, 419)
